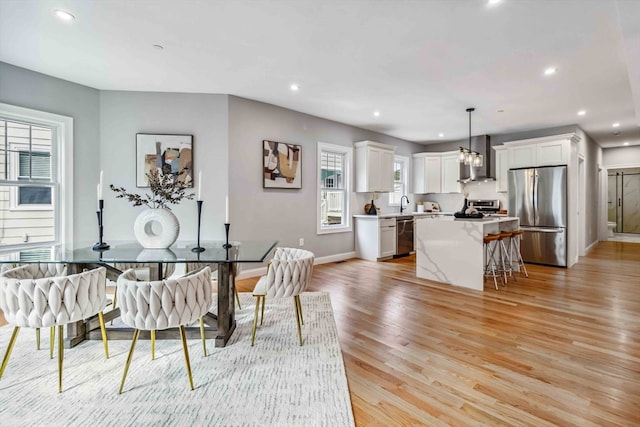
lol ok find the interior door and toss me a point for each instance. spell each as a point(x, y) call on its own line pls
point(631, 203)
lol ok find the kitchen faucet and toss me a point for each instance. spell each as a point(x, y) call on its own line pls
point(401, 199)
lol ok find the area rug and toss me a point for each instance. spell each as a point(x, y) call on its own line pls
point(275, 383)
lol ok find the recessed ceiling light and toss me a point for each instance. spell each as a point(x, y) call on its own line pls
point(616, 125)
point(582, 112)
point(158, 47)
point(376, 113)
point(64, 15)
point(493, 2)
point(441, 135)
point(294, 87)
point(550, 71)
point(625, 143)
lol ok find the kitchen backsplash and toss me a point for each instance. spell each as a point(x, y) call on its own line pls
point(449, 202)
point(452, 202)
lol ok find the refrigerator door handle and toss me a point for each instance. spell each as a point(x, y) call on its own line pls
point(535, 196)
point(543, 230)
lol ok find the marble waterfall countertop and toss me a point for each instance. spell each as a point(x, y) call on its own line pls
point(450, 250)
point(413, 214)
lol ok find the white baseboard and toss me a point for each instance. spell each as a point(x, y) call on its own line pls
point(591, 246)
point(261, 271)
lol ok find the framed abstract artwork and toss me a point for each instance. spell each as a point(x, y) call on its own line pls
point(282, 165)
point(167, 153)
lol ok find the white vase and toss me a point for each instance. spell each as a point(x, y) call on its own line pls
point(156, 228)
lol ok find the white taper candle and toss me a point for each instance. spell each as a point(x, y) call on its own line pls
point(100, 187)
point(200, 185)
point(226, 210)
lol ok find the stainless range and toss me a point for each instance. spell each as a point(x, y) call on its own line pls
point(485, 206)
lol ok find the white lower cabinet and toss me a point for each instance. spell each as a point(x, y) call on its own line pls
point(375, 237)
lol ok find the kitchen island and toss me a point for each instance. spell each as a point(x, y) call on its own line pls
point(450, 250)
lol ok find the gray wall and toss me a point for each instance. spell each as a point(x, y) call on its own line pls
point(123, 114)
point(287, 215)
point(25, 88)
point(592, 159)
point(621, 156)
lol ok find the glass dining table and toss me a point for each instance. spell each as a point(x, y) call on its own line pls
point(220, 324)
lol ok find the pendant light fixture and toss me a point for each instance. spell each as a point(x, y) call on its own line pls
point(467, 155)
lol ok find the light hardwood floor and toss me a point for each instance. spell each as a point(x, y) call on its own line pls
point(559, 348)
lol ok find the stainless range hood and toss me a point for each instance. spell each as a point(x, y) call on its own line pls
point(480, 144)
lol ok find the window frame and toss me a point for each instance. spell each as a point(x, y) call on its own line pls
point(347, 178)
point(62, 168)
point(405, 178)
point(15, 171)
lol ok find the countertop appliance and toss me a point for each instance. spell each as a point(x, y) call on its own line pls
point(431, 207)
point(484, 206)
point(404, 235)
point(538, 196)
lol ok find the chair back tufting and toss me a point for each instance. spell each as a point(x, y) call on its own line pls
point(29, 298)
point(289, 273)
point(163, 304)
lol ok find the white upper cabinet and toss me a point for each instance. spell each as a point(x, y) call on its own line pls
point(436, 173)
point(374, 167)
point(546, 151)
point(502, 169)
point(553, 152)
point(522, 157)
point(450, 173)
point(427, 173)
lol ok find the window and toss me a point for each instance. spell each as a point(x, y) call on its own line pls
point(36, 172)
point(334, 169)
point(34, 166)
point(400, 177)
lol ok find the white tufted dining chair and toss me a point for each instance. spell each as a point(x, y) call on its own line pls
point(31, 299)
point(191, 266)
point(164, 304)
point(143, 272)
point(288, 275)
point(43, 270)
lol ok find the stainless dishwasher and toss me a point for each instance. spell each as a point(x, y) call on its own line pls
point(404, 235)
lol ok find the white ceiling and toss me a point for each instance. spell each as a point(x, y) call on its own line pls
point(421, 63)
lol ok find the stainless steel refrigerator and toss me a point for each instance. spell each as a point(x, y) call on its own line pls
point(538, 196)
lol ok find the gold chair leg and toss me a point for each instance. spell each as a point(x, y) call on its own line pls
point(186, 354)
point(297, 297)
point(264, 297)
point(255, 320)
point(238, 300)
point(153, 344)
point(113, 304)
point(37, 338)
point(104, 334)
point(295, 303)
point(204, 341)
point(60, 356)
point(12, 341)
point(52, 341)
point(126, 367)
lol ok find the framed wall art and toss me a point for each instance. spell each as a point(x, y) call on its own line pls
point(282, 165)
point(167, 153)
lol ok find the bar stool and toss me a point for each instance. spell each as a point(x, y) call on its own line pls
point(491, 243)
point(514, 249)
point(505, 255)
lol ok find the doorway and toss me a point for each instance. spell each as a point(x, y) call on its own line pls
point(623, 204)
